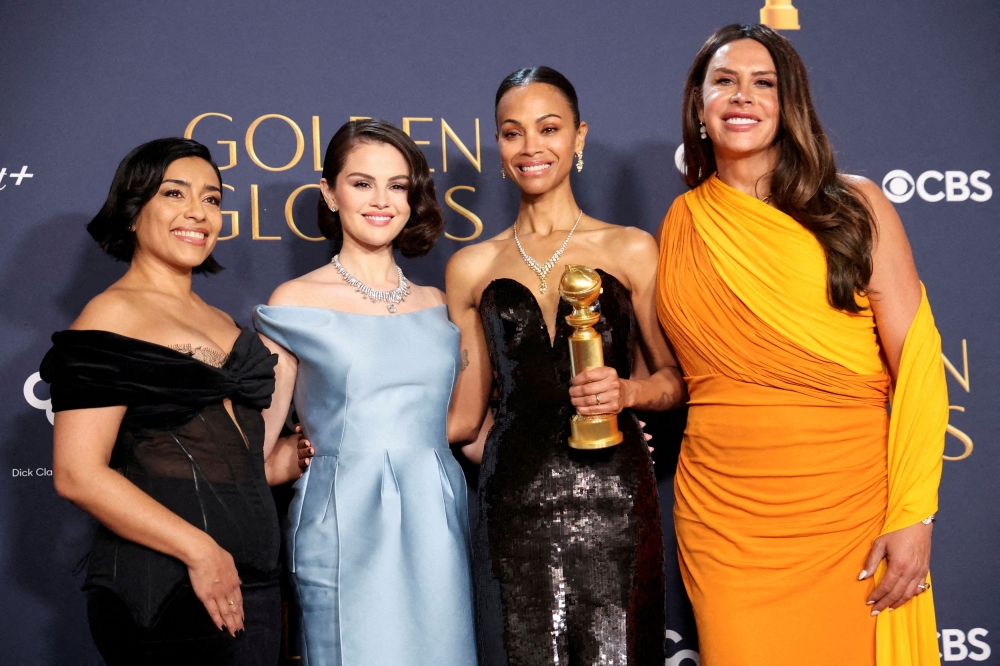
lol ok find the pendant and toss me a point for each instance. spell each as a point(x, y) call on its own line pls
point(542, 287)
point(392, 308)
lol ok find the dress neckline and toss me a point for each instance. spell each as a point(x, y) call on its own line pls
point(230, 355)
point(560, 304)
point(356, 314)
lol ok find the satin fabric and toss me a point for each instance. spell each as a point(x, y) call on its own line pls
point(790, 466)
point(378, 533)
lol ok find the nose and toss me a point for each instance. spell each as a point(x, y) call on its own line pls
point(380, 197)
point(742, 96)
point(196, 211)
point(532, 143)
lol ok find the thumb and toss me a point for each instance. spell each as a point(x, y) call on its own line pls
point(875, 556)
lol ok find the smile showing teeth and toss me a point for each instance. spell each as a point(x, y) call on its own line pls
point(199, 235)
point(741, 121)
point(534, 169)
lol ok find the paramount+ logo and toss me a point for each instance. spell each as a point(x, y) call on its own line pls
point(933, 186)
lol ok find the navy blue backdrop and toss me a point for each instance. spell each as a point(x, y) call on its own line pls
point(906, 90)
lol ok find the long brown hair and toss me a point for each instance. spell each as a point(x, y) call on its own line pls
point(805, 183)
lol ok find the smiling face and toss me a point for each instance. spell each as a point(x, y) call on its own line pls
point(739, 99)
point(371, 193)
point(537, 137)
point(180, 224)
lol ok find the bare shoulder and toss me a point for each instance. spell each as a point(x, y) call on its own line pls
point(299, 291)
point(115, 311)
point(467, 265)
point(429, 296)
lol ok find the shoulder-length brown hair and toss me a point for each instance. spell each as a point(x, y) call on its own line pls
point(426, 221)
point(805, 184)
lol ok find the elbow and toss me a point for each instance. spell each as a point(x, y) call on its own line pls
point(462, 431)
point(67, 486)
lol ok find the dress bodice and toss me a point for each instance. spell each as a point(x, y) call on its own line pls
point(179, 445)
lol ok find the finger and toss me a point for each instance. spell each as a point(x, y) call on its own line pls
point(213, 611)
point(648, 437)
point(642, 424)
point(591, 388)
point(594, 374)
point(650, 448)
point(232, 612)
point(890, 587)
point(895, 597)
point(875, 555)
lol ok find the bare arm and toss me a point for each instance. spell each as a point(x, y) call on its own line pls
point(82, 444)
point(664, 386)
point(475, 377)
point(894, 294)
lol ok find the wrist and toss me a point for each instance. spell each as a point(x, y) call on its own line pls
point(630, 392)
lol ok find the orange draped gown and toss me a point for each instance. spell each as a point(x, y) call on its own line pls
point(790, 465)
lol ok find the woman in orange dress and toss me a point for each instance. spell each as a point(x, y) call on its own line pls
point(803, 510)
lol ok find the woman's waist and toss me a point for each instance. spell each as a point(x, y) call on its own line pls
point(717, 389)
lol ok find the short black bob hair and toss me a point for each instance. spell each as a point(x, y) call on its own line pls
point(541, 74)
point(426, 221)
point(136, 181)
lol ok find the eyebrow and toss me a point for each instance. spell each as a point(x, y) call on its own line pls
point(365, 175)
point(212, 188)
point(540, 119)
point(726, 70)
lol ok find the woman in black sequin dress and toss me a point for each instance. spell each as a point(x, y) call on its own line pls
point(568, 545)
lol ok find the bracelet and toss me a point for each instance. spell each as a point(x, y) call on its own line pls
point(929, 520)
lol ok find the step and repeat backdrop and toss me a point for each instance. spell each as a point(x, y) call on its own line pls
point(906, 90)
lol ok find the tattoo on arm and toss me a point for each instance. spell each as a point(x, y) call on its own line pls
point(465, 360)
point(665, 400)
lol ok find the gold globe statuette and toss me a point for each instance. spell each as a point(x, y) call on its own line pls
point(580, 286)
point(780, 15)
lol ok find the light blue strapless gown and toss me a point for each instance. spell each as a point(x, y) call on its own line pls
point(378, 529)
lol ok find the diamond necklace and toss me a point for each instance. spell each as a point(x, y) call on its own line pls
point(391, 298)
point(542, 270)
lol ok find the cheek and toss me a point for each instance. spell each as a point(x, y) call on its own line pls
point(401, 202)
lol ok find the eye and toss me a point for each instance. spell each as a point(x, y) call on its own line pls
point(550, 130)
point(362, 184)
point(173, 193)
point(214, 200)
point(766, 83)
point(510, 134)
point(399, 187)
point(723, 80)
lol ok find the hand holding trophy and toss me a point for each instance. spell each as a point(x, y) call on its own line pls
point(580, 287)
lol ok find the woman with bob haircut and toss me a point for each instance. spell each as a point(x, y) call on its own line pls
point(378, 533)
point(568, 545)
point(803, 509)
point(159, 435)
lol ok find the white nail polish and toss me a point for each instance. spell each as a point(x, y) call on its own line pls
point(863, 574)
point(869, 603)
point(874, 613)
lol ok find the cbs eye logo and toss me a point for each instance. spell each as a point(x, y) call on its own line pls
point(932, 186)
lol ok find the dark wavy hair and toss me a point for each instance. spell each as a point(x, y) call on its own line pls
point(540, 74)
point(426, 221)
point(805, 183)
point(136, 181)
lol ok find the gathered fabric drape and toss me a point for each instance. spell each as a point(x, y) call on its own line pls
point(791, 464)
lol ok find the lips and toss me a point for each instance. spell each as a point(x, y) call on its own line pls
point(534, 168)
point(378, 219)
point(740, 121)
point(190, 236)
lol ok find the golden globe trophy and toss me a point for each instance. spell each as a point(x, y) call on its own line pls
point(580, 286)
point(780, 15)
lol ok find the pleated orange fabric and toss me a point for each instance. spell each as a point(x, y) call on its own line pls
point(784, 478)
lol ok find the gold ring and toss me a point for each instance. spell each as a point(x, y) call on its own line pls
point(232, 602)
point(597, 397)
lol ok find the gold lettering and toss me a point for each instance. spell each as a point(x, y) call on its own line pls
point(255, 216)
point(960, 436)
point(446, 132)
point(289, 204)
point(464, 212)
point(962, 379)
point(300, 142)
point(406, 128)
point(234, 217)
point(317, 161)
point(353, 118)
point(189, 131)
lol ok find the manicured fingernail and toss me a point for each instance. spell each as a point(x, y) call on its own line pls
point(869, 603)
point(239, 633)
point(224, 628)
point(874, 613)
point(889, 609)
point(863, 574)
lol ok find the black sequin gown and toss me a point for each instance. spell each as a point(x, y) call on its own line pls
point(568, 546)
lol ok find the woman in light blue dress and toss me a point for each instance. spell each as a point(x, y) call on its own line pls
point(378, 535)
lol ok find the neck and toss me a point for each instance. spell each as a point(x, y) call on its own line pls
point(373, 265)
point(749, 173)
point(543, 214)
point(150, 274)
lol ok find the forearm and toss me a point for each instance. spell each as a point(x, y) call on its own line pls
point(132, 514)
point(663, 390)
point(282, 465)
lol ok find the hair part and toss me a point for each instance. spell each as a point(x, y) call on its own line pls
point(136, 182)
point(540, 74)
point(805, 183)
point(426, 220)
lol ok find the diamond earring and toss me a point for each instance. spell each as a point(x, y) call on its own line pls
point(333, 209)
point(503, 173)
point(704, 132)
point(579, 162)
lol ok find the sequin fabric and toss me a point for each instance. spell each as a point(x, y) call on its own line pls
point(568, 544)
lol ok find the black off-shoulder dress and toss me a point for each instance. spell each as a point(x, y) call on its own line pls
point(568, 546)
point(178, 444)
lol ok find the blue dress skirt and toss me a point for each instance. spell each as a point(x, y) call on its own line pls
point(378, 529)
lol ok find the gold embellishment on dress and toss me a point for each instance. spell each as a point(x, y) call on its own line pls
point(207, 355)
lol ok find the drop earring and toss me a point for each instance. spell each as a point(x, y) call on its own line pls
point(704, 132)
point(503, 173)
point(579, 162)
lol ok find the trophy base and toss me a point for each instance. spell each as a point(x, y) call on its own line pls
point(594, 432)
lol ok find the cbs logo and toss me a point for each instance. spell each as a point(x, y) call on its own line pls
point(932, 186)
